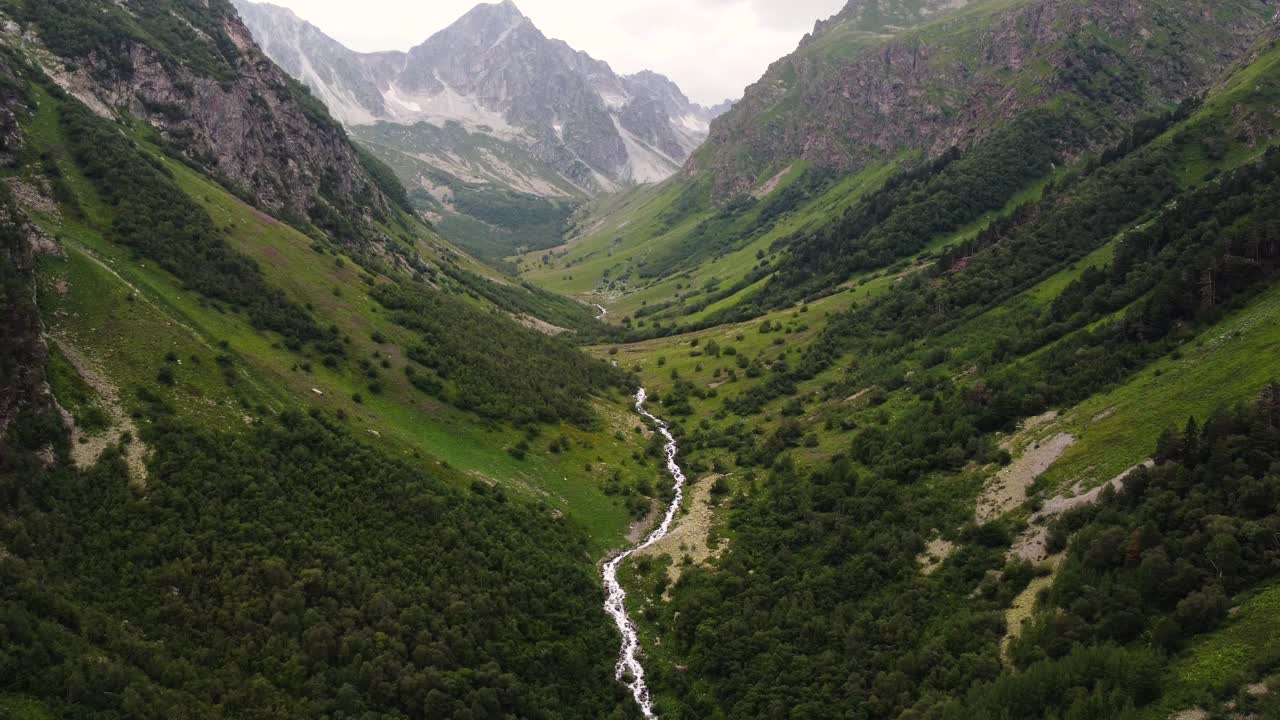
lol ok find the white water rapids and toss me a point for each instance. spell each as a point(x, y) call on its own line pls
point(629, 670)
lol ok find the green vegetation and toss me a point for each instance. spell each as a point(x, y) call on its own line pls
point(489, 196)
point(535, 222)
point(385, 178)
point(153, 216)
point(375, 479)
point(935, 199)
point(291, 571)
point(75, 395)
point(1217, 666)
point(185, 33)
point(473, 352)
point(20, 322)
point(856, 432)
point(1139, 571)
point(622, 236)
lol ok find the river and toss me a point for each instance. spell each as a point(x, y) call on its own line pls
point(629, 671)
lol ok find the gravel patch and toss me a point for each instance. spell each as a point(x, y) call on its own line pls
point(1008, 489)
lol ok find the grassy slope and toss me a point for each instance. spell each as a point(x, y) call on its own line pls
point(85, 299)
point(618, 232)
point(1116, 429)
point(799, 327)
point(1222, 663)
point(20, 708)
point(1228, 363)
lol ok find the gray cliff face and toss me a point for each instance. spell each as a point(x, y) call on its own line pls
point(252, 127)
point(325, 63)
point(495, 73)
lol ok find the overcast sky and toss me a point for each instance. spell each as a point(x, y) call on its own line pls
point(711, 48)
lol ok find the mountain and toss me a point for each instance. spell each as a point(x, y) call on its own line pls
point(968, 323)
point(260, 416)
point(260, 134)
point(866, 86)
point(1011, 89)
point(967, 410)
point(489, 118)
point(494, 72)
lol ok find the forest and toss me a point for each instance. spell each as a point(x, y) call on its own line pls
point(468, 355)
point(153, 216)
point(933, 199)
point(290, 571)
point(1155, 279)
point(818, 609)
point(415, 528)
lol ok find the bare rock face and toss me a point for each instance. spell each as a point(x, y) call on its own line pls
point(252, 127)
point(493, 72)
point(863, 88)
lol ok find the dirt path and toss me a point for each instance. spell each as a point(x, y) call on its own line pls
point(538, 324)
point(1032, 546)
point(92, 257)
point(168, 316)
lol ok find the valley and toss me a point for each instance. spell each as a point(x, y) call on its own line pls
point(496, 153)
point(955, 341)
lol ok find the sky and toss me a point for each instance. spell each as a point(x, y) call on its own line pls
point(711, 48)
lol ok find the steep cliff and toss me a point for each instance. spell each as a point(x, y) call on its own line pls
point(193, 72)
point(496, 74)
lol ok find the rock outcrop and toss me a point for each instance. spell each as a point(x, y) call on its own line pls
point(239, 117)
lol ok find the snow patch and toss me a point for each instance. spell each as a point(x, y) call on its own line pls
point(392, 95)
point(517, 23)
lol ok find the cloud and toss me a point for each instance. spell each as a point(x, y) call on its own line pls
point(711, 48)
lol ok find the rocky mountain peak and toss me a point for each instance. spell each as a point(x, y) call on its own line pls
point(493, 72)
point(490, 21)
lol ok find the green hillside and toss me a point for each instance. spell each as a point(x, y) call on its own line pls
point(929, 401)
point(977, 388)
point(270, 427)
